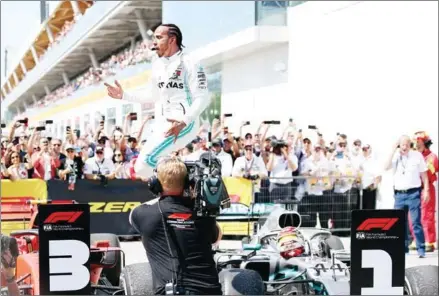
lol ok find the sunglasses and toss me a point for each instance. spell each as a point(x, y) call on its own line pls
point(70, 151)
point(99, 152)
point(342, 145)
point(45, 142)
point(248, 148)
point(357, 144)
point(117, 155)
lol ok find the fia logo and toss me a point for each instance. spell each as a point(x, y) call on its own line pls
point(47, 227)
point(361, 235)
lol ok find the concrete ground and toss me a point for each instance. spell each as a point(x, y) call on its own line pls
point(135, 253)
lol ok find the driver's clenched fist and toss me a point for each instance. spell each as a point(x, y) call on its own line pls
point(116, 92)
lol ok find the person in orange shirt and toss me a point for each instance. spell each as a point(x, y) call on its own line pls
point(428, 208)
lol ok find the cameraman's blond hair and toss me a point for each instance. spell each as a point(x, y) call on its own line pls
point(171, 172)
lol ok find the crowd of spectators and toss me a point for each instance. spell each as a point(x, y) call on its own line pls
point(128, 57)
point(296, 165)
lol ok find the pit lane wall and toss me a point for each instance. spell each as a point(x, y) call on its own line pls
point(327, 202)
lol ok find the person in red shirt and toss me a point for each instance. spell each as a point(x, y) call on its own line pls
point(428, 208)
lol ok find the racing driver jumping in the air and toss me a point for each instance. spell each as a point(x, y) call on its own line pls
point(178, 87)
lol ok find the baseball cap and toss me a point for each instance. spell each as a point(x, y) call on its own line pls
point(69, 146)
point(217, 141)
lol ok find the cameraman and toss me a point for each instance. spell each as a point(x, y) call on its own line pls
point(182, 252)
point(281, 165)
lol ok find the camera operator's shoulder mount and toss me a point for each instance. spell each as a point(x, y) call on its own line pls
point(203, 183)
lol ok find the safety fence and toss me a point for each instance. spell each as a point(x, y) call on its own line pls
point(331, 200)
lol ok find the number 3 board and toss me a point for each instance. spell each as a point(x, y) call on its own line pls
point(64, 250)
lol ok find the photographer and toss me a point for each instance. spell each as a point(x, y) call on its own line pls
point(99, 168)
point(281, 166)
point(181, 253)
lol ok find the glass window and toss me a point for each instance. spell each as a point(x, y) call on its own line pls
point(271, 13)
point(214, 82)
point(204, 22)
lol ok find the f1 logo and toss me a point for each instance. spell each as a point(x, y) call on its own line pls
point(69, 217)
point(67, 271)
point(377, 223)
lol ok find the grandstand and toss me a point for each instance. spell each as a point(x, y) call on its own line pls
point(82, 44)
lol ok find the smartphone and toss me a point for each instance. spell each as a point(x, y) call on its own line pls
point(40, 128)
point(67, 128)
point(24, 121)
point(152, 117)
point(3, 125)
point(319, 134)
point(16, 141)
point(77, 132)
point(300, 130)
point(247, 123)
point(271, 122)
point(228, 115)
point(49, 121)
point(103, 118)
point(338, 134)
point(312, 127)
point(291, 120)
point(49, 139)
point(133, 116)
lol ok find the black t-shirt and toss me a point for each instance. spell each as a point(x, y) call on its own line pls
point(77, 166)
point(194, 236)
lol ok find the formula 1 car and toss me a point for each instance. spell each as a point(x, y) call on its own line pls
point(259, 269)
point(106, 257)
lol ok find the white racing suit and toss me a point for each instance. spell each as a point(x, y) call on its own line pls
point(178, 87)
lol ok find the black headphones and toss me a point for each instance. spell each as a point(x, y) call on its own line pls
point(156, 187)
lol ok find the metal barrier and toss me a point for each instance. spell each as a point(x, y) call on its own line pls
point(331, 199)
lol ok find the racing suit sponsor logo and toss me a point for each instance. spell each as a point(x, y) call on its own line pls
point(178, 85)
point(202, 80)
point(113, 207)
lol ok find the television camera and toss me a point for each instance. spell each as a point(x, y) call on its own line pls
point(204, 184)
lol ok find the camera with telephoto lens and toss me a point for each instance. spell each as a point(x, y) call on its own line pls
point(278, 144)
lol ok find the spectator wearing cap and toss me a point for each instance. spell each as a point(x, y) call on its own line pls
point(98, 166)
point(230, 147)
point(131, 150)
point(249, 166)
point(72, 166)
point(428, 207)
point(343, 168)
point(225, 158)
point(370, 179)
point(197, 150)
point(281, 165)
point(356, 154)
point(409, 179)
